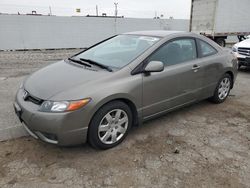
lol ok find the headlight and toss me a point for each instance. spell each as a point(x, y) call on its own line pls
point(234, 48)
point(63, 106)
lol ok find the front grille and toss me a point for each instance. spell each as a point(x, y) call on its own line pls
point(28, 97)
point(244, 51)
point(241, 59)
point(34, 100)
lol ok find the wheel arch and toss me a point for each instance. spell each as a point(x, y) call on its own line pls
point(132, 108)
point(232, 77)
point(123, 98)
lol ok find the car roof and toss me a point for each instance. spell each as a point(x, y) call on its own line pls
point(155, 33)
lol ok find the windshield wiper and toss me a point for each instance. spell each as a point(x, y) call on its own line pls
point(79, 62)
point(98, 64)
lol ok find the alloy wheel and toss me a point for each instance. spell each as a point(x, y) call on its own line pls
point(224, 88)
point(113, 126)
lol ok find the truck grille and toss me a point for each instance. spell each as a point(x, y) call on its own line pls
point(244, 51)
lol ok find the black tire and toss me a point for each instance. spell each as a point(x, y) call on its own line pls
point(221, 41)
point(93, 134)
point(215, 98)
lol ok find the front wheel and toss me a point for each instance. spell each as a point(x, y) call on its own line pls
point(222, 90)
point(110, 125)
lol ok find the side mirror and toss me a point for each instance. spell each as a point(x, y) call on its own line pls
point(154, 66)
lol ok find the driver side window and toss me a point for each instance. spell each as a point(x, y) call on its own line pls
point(176, 52)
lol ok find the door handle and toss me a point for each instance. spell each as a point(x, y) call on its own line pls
point(195, 68)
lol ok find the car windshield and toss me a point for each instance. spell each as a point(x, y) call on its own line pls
point(119, 50)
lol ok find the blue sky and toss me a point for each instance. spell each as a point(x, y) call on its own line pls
point(179, 9)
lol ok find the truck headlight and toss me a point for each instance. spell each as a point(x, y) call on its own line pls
point(234, 48)
point(63, 106)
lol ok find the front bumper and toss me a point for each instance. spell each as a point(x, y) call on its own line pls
point(68, 128)
point(243, 60)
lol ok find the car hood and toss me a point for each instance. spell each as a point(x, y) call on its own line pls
point(244, 44)
point(60, 77)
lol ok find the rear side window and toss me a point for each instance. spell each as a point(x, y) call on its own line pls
point(175, 52)
point(206, 49)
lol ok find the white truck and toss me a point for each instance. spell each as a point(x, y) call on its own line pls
point(218, 19)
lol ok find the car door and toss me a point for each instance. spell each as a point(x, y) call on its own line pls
point(210, 66)
point(178, 83)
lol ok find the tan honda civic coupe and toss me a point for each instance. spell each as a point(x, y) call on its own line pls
point(98, 94)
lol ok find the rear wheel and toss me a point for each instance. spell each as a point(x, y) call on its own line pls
point(110, 125)
point(221, 41)
point(222, 90)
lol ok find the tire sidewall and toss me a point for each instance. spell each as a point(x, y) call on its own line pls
point(93, 137)
point(216, 94)
point(221, 42)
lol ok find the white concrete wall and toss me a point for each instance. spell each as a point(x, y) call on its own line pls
point(48, 32)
